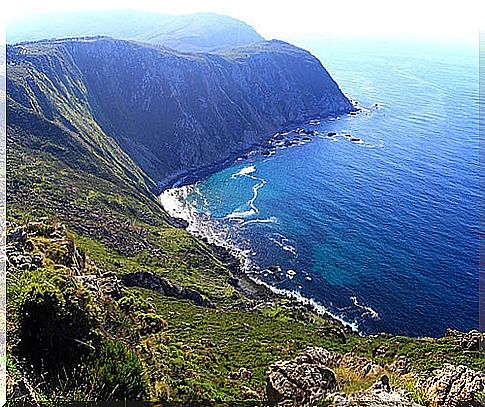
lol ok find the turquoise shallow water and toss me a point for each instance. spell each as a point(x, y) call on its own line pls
point(383, 233)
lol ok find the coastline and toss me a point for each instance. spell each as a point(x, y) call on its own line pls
point(260, 291)
point(192, 175)
point(250, 286)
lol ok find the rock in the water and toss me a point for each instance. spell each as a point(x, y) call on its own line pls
point(303, 380)
point(453, 386)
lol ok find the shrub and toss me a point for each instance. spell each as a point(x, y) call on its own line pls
point(57, 330)
point(118, 373)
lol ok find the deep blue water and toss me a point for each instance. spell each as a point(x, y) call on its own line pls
point(384, 233)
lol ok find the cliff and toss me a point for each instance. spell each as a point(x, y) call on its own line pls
point(173, 112)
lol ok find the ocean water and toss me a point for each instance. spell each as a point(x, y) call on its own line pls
point(383, 232)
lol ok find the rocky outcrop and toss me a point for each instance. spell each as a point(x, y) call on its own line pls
point(303, 380)
point(107, 284)
point(360, 366)
point(21, 253)
point(310, 378)
point(472, 340)
point(400, 366)
point(453, 386)
point(380, 394)
point(151, 281)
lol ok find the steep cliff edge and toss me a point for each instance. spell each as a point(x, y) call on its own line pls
point(173, 112)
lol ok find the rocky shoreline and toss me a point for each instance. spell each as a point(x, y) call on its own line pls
point(259, 293)
point(295, 133)
point(250, 287)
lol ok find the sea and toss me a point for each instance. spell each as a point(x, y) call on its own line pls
point(375, 219)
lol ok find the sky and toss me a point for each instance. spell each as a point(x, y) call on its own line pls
point(445, 20)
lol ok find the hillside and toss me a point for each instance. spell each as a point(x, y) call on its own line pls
point(110, 299)
point(199, 32)
point(171, 112)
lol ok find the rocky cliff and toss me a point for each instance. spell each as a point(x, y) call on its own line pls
point(173, 112)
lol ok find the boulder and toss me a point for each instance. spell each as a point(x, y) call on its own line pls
point(303, 380)
point(453, 386)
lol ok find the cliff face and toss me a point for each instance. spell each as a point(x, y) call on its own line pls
point(173, 112)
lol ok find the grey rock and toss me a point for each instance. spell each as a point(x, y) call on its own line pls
point(303, 380)
point(472, 340)
point(149, 280)
point(453, 386)
point(400, 366)
point(380, 394)
point(361, 366)
point(241, 374)
point(17, 236)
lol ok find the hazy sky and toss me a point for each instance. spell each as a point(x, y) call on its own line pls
point(456, 20)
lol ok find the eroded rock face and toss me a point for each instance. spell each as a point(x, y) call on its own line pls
point(303, 380)
point(453, 386)
point(174, 113)
point(151, 281)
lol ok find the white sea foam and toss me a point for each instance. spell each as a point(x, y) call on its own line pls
point(368, 310)
point(290, 274)
point(202, 225)
point(319, 308)
point(245, 171)
point(271, 219)
point(241, 213)
point(283, 243)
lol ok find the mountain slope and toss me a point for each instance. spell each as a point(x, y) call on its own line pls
point(171, 112)
point(197, 32)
